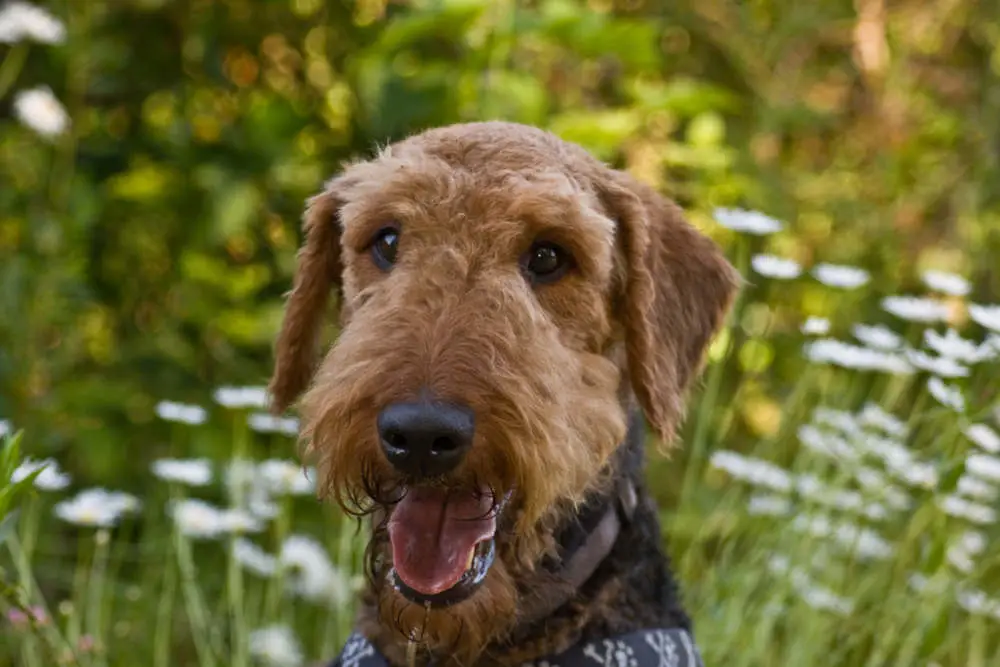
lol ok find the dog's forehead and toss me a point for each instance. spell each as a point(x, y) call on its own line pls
point(461, 178)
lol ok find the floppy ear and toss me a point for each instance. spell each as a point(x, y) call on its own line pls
point(678, 288)
point(319, 269)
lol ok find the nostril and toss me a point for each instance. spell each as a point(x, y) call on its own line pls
point(395, 439)
point(445, 445)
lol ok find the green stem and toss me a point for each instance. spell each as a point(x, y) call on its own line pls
point(164, 614)
point(29, 533)
point(58, 645)
point(275, 585)
point(12, 66)
point(234, 573)
point(95, 594)
point(195, 605)
point(345, 562)
point(73, 624)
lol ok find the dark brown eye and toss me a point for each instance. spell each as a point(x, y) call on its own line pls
point(384, 248)
point(546, 262)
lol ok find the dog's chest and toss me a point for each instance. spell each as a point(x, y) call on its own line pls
point(647, 648)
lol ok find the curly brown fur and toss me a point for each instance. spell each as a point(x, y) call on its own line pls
point(549, 370)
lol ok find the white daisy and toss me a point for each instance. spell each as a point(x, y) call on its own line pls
point(946, 283)
point(265, 423)
point(779, 268)
point(752, 470)
point(960, 559)
point(840, 275)
point(253, 558)
point(838, 353)
point(877, 337)
point(843, 421)
point(751, 222)
point(813, 594)
point(200, 520)
point(39, 110)
point(961, 508)
point(985, 437)
point(973, 542)
point(24, 21)
point(287, 478)
point(181, 412)
point(241, 397)
point(973, 487)
point(955, 347)
point(862, 541)
point(915, 308)
point(979, 603)
point(49, 479)
point(983, 466)
point(875, 482)
point(874, 416)
point(947, 395)
point(816, 326)
point(829, 445)
point(769, 505)
point(241, 473)
point(191, 472)
point(922, 584)
point(96, 507)
point(940, 366)
point(811, 488)
point(819, 597)
point(276, 646)
point(898, 460)
point(914, 473)
point(311, 574)
point(986, 316)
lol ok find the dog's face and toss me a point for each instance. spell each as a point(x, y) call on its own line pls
point(502, 295)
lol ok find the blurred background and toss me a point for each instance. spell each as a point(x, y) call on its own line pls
point(144, 252)
point(151, 192)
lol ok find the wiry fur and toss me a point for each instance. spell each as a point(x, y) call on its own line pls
point(549, 370)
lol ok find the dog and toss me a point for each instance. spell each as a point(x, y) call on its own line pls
point(511, 313)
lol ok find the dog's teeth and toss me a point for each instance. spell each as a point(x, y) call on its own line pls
point(472, 556)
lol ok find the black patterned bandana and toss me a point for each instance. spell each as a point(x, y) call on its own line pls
point(645, 648)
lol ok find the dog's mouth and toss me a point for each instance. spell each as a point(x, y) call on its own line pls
point(443, 544)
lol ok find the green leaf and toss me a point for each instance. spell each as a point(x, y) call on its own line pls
point(10, 455)
point(8, 525)
point(602, 132)
point(442, 23)
point(936, 633)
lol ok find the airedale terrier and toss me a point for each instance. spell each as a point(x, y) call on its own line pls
point(510, 308)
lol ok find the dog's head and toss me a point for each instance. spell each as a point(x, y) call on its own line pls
point(502, 297)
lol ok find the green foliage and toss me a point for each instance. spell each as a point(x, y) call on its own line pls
point(11, 491)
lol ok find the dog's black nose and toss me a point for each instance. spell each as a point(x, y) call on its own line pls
point(425, 439)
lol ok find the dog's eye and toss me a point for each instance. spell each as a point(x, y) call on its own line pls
point(546, 262)
point(384, 248)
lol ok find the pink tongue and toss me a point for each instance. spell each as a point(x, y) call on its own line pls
point(432, 533)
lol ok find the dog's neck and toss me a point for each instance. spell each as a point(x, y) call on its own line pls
point(588, 537)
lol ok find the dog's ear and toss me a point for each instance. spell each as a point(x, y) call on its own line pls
point(318, 272)
point(677, 289)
